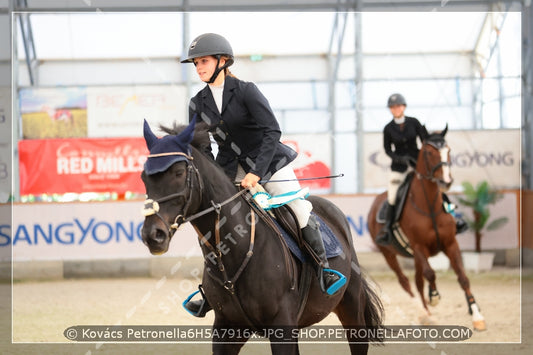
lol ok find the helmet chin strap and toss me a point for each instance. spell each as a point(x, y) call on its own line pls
point(218, 70)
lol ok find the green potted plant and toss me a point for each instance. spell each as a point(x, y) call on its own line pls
point(478, 199)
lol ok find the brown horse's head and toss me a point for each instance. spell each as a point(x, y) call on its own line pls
point(434, 160)
point(171, 180)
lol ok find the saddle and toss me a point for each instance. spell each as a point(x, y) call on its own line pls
point(400, 240)
point(401, 197)
point(284, 220)
point(288, 226)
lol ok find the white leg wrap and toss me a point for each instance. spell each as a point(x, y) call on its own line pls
point(476, 314)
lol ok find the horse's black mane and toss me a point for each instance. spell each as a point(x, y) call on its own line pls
point(436, 139)
point(201, 142)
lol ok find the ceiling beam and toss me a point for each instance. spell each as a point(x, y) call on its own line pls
point(359, 5)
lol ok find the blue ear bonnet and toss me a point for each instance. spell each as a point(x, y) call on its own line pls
point(167, 150)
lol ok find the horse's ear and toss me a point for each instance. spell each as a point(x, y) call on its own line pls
point(188, 133)
point(149, 136)
point(443, 133)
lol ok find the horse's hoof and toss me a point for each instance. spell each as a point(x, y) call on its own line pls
point(433, 301)
point(434, 298)
point(479, 325)
point(426, 320)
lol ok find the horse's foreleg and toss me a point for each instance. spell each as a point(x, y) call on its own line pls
point(454, 254)
point(429, 274)
point(288, 346)
point(421, 265)
point(392, 261)
point(228, 340)
point(422, 269)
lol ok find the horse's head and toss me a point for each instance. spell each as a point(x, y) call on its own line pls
point(434, 160)
point(171, 180)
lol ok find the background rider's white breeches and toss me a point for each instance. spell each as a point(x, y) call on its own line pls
point(395, 180)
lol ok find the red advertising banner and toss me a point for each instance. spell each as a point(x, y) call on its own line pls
point(81, 165)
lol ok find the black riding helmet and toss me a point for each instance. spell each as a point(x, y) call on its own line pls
point(396, 99)
point(210, 44)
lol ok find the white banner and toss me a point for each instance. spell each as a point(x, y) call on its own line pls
point(356, 209)
point(5, 231)
point(120, 111)
point(112, 230)
point(77, 231)
point(5, 144)
point(488, 155)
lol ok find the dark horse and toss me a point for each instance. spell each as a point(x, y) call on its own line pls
point(426, 226)
point(250, 277)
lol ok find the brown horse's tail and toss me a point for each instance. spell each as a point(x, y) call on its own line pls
point(373, 312)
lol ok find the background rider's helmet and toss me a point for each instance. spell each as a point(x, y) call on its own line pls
point(209, 44)
point(396, 99)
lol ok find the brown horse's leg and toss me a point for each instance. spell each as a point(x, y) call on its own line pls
point(422, 269)
point(454, 254)
point(392, 260)
point(429, 274)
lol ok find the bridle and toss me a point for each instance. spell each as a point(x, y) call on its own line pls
point(430, 171)
point(151, 207)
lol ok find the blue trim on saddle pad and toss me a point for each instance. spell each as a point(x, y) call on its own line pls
point(331, 243)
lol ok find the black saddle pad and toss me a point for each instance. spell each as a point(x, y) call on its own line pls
point(401, 197)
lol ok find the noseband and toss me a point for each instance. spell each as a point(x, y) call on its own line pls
point(151, 207)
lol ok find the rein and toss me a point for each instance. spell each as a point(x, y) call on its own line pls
point(151, 207)
point(431, 204)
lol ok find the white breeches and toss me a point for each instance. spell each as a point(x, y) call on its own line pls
point(395, 180)
point(301, 208)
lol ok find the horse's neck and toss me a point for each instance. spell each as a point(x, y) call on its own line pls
point(425, 191)
point(231, 224)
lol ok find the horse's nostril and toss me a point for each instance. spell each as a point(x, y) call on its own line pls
point(160, 235)
point(153, 235)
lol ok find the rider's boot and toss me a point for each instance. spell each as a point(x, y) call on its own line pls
point(384, 236)
point(460, 224)
point(197, 308)
point(330, 280)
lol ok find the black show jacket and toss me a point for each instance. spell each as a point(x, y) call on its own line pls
point(246, 131)
point(403, 137)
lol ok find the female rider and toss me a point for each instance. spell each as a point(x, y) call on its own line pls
point(247, 133)
point(401, 133)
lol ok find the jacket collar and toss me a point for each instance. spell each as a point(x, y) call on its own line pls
point(230, 83)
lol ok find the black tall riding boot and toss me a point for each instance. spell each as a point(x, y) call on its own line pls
point(385, 234)
point(460, 224)
point(330, 280)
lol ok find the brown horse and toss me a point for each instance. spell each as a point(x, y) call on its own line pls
point(426, 228)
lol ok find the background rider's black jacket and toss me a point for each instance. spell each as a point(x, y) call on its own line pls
point(402, 137)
